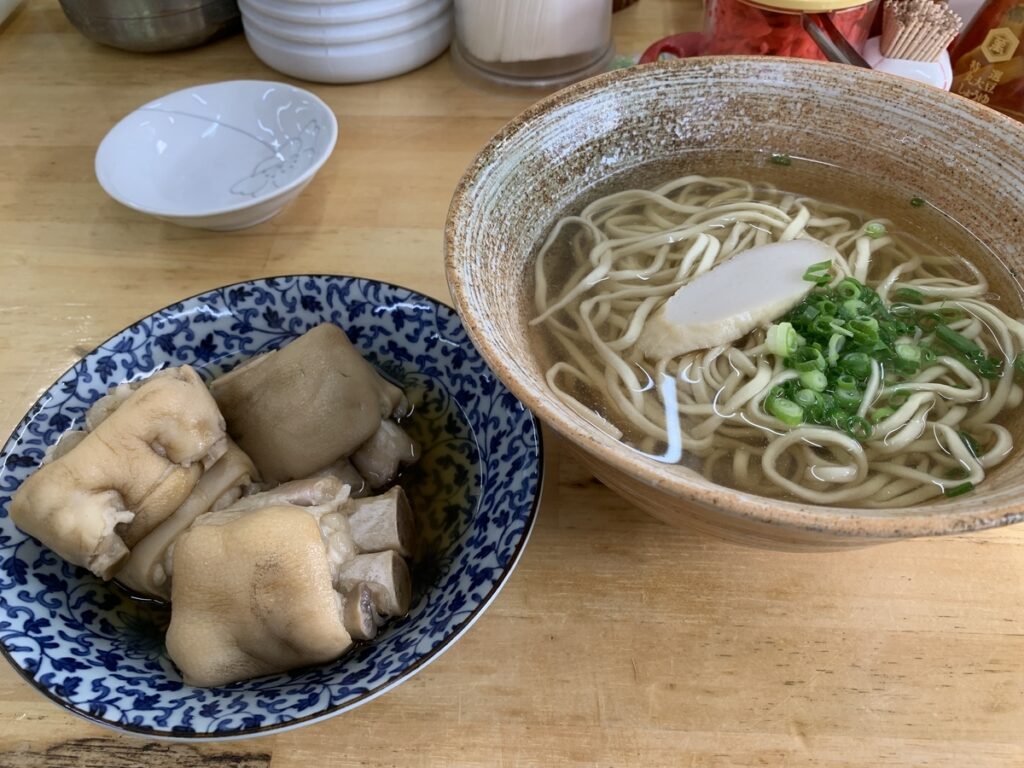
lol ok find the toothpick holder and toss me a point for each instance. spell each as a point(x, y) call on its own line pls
point(938, 73)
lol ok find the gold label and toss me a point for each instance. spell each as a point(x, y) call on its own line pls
point(1000, 44)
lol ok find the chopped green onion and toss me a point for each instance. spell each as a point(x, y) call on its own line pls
point(827, 307)
point(836, 343)
point(859, 428)
point(822, 324)
point(908, 352)
point(846, 382)
point(837, 327)
point(972, 443)
point(809, 398)
point(807, 359)
point(951, 314)
point(907, 366)
point(959, 490)
point(987, 367)
point(785, 410)
point(852, 308)
point(1018, 363)
point(807, 313)
point(848, 288)
point(899, 397)
point(845, 330)
point(848, 399)
point(856, 364)
point(902, 310)
point(818, 273)
point(864, 329)
point(881, 414)
point(957, 341)
point(781, 158)
point(984, 365)
point(874, 229)
point(782, 340)
point(814, 380)
point(917, 202)
point(908, 296)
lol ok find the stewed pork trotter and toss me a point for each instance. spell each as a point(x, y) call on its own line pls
point(148, 569)
point(278, 580)
point(352, 529)
point(252, 595)
point(302, 407)
point(122, 479)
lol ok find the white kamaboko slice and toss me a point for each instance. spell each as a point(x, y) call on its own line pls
point(748, 291)
point(124, 478)
point(149, 567)
point(253, 595)
point(303, 407)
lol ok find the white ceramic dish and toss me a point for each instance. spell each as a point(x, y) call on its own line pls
point(343, 34)
point(220, 156)
point(356, 63)
point(333, 12)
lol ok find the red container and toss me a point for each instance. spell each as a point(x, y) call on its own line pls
point(775, 28)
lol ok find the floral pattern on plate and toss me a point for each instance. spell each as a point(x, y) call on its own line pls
point(94, 650)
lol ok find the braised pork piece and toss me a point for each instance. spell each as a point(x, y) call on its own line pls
point(245, 505)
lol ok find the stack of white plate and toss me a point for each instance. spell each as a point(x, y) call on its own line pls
point(347, 41)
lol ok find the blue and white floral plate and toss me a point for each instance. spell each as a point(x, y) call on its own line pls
point(100, 654)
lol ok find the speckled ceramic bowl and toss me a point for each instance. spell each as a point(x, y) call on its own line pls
point(965, 159)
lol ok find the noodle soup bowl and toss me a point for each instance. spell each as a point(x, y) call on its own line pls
point(961, 158)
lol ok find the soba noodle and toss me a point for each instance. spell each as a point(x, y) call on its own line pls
point(628, 252)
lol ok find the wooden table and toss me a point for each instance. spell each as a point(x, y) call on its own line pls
point(618, 641)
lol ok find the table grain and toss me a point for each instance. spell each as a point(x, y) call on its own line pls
point(618, 641)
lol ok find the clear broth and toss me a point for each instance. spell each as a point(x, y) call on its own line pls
point(871, 198)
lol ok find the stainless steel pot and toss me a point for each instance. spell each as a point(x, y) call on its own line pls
point(152, 25)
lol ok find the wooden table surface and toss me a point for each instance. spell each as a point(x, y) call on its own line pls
point(618, 641)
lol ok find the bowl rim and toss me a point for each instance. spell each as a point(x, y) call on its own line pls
point(407, 39)
point(835, 521)
point(315, 13)
point(407, 672)
point(108, 142)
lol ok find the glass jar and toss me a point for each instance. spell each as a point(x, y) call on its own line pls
point(775, 27)
point(534, 44)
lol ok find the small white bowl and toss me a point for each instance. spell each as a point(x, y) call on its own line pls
point(344, 12)
point(326, 33)
point(358, 62)
point(221, 156)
